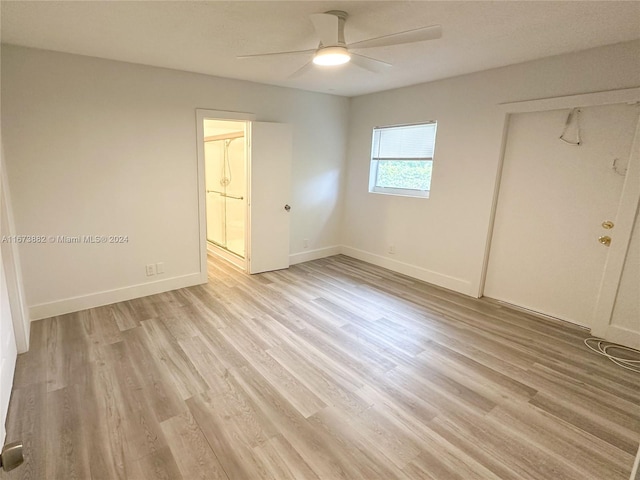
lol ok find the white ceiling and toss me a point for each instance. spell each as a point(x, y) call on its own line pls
point(205, 37)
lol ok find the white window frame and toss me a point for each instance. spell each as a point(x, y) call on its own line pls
point(373, 169)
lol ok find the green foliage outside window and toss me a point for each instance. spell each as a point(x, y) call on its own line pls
point(409, 174)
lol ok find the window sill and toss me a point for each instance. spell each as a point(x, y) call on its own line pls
point(399, 192)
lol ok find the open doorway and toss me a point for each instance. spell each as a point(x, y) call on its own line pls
point(225, 164)
point(244, 175)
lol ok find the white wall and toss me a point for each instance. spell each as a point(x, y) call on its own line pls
point(97, 147)
point(443, 239)
point(101, 147)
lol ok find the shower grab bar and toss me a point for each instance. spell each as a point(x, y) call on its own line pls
point(222, 194)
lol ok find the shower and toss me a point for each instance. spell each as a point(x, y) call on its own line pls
point(226, 166)
point(226, 182)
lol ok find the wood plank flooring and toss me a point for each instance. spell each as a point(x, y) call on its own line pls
point(332, 369)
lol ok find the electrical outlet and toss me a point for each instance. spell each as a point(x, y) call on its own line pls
point(305, 243)
point(160, 268)
point(151, 269)
point(392, 249)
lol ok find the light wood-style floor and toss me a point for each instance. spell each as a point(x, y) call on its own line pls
point(333, 369)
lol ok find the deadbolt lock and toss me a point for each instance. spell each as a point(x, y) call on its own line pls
point(605, 240)
point(607, 224)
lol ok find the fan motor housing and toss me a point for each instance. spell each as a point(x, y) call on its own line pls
point(342, 17)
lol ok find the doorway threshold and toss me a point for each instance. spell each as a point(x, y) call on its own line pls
point(533, 313)
point(227, 256)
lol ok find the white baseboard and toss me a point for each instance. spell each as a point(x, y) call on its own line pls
point(314, 254)
point(74, 304)
point(92, 300)
point(456, 284)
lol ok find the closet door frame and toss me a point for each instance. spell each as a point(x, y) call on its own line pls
point(629, 204)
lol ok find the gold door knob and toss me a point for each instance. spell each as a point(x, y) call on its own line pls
point(605, 240)
point(11, 456)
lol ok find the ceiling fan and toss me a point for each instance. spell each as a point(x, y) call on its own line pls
point(333, 50)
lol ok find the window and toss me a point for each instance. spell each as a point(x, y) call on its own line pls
point(401, 159)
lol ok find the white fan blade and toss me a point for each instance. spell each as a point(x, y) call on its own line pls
point(368, 63)
point(306, 67)
point(274, 54)
point(410, 36)
point(326, 27)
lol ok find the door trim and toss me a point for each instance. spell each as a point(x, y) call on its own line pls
point(201, 114)
point(13, 273)
point(608, 97)
point(629, 202)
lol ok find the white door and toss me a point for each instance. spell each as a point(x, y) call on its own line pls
point(270, 190)
point(8, 353)
point(554, 197)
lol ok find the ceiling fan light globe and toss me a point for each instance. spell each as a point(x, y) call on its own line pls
point(331, 56)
